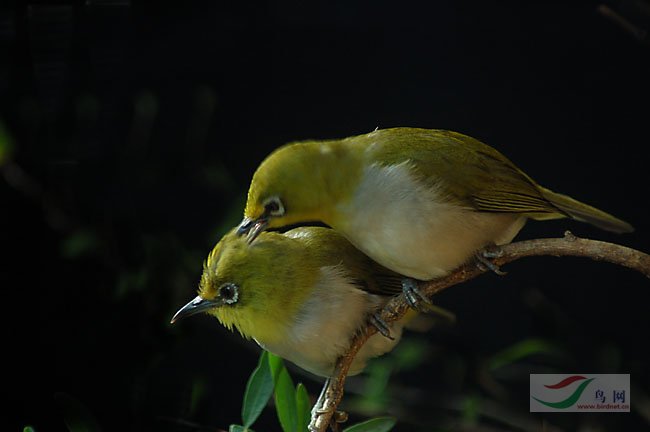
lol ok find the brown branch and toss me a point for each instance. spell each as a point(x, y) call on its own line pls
point(396, 308)
point(638, 33)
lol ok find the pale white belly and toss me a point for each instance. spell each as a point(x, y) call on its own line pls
point(412, 230)
point(324, 327)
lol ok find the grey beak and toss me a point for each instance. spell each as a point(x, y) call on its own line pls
point(197, 305)
point(252, 227)
point(258, 227)
point(245, 226)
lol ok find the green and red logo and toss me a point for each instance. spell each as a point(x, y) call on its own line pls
point(572, 393)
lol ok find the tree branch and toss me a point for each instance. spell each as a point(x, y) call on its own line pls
point(570, 245)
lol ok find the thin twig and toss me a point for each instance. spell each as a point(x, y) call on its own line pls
point(638, 33)
point(570, 245)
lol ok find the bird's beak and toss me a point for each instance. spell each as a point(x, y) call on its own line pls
point(198, 304)
point(245, 226)
point(252, 227)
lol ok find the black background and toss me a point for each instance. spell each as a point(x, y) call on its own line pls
point(133, 128)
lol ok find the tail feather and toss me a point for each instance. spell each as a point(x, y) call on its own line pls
point(585, 213)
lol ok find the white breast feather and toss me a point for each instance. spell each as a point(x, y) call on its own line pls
point(415, 229)
point(324, 326)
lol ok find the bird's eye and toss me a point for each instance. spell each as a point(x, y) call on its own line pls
point(273, 206)
point(229, 293)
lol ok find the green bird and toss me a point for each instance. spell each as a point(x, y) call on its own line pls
point(301, 295)
point(420, 202)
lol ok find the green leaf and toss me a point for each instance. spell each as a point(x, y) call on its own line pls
point(285, 401)
point(374, 396)
point(145, 106)
point(276, 364)
point(75, 415)
point(471, 408)
point(238, 428)
point(79, 244)
point(303, 407)
point(519, 350)
point(258, 391)
point(197, 394)
point(379, 424)
point(410, 353)
point(28, 429)
point(6, 147)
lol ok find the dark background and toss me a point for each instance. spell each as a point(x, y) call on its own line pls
point(129, 132)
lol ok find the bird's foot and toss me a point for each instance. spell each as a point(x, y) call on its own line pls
point(418, 301)
point(414, 297)
point(319, 409)
point(338, 417)
point(484, 259)
point(381, 325)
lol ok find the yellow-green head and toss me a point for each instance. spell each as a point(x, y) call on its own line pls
point(257, 287)
point(299, 182)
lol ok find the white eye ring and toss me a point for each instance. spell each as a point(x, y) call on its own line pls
point(229, 293)
point(273, 206)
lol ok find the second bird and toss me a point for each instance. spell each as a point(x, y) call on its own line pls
point(420, 202)
point(301, 295)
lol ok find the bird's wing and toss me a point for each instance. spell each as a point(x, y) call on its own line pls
point(466, 170)
point(386, 284)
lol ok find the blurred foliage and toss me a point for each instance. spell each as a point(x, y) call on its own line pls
point(6, 145)
point(375, 395)
point(292, 404)
point(76, 415)
point(78, 244)
point(379, 424)
point(520, 350)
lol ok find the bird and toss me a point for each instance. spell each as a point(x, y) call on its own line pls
point(420, 202)
point(300, 294)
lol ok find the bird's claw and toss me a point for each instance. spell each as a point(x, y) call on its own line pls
point(421, 303)
point(381, 325)
point(484, 257)
point(413, 295)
